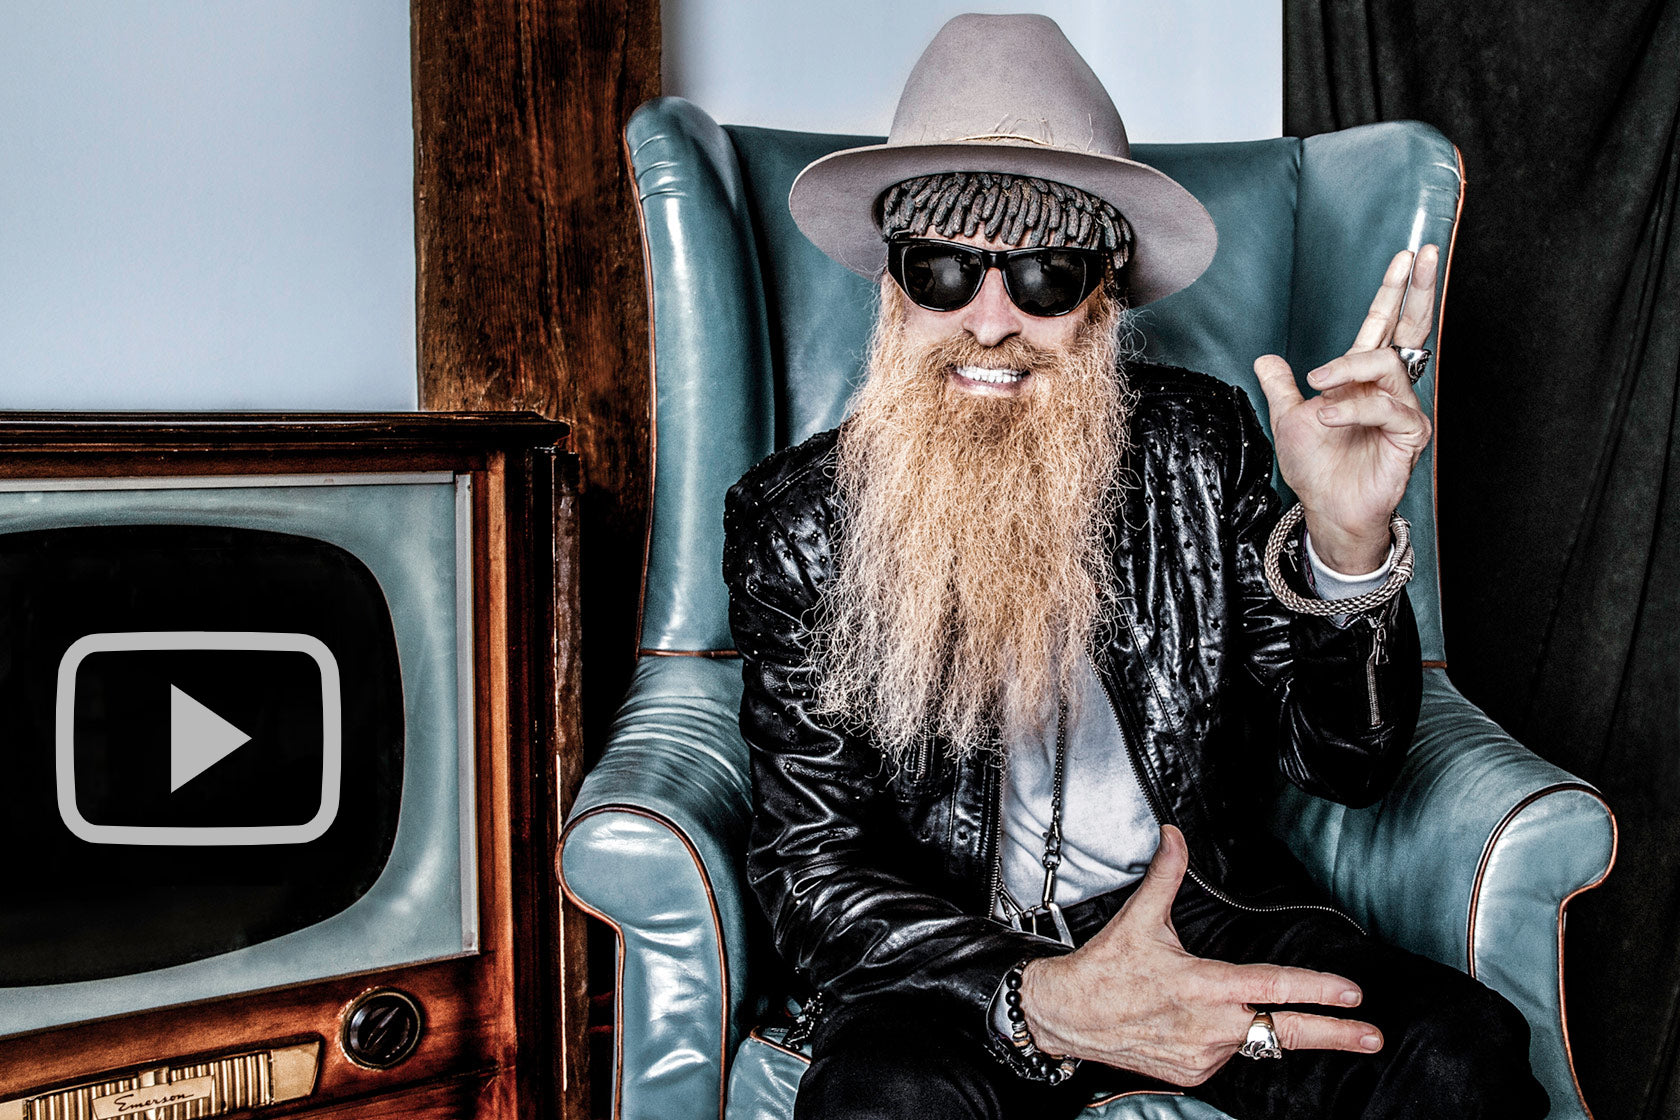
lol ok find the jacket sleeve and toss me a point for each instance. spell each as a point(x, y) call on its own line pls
point(1343, 698)
point(829, 860)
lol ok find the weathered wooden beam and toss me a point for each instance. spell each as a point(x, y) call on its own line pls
point(530, 294)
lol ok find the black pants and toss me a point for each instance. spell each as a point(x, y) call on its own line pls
point(1451, 1046)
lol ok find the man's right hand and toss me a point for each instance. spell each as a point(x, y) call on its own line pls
point(1131, 997)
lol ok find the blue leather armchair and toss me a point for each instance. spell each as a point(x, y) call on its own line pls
point(758, 340)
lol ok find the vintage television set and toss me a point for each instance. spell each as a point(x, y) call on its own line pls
point(283, 702)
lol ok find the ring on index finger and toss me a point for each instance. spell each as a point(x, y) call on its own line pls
point(1415, 359)
point(1262, 1040)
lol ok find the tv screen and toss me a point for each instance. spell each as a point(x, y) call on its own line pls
point(234, 734)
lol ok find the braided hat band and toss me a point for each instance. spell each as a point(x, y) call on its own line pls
point(1015, 210)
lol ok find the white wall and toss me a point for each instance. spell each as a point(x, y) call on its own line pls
point(1177, 69)
point(206, 205)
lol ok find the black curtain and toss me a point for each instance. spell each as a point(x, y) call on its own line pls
point(1558, 469)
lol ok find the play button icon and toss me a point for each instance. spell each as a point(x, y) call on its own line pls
point(198, 738)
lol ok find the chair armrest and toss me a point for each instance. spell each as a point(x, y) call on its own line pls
point(1470, 859)
point(654, 847)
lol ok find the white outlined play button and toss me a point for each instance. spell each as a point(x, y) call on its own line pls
point(198, 738)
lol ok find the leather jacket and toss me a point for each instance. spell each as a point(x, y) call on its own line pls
point(876, 884)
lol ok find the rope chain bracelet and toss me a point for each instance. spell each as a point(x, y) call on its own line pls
point(1054, 1068)
point(1284, 537)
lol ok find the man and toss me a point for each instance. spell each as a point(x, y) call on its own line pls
point(1015, 670)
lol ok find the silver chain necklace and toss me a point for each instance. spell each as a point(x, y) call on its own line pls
point(1028, 919)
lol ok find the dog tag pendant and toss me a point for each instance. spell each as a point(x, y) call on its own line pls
point(1050, 914)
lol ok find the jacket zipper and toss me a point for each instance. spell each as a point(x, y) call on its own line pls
point(1157, 807)
point(1378, 656)
point(997, 837)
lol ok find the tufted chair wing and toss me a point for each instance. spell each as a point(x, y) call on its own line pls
point(759, 342)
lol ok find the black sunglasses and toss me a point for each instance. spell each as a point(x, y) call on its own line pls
point(946, 275)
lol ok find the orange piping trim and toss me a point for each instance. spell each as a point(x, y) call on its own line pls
point(1476, 897)
point(618, 986)
point(1134, 1093)
point(618, 983)
point(1435, 398)
point(720, 653)
point(758, 1033)
point(653, 383)
point(1563, 1005)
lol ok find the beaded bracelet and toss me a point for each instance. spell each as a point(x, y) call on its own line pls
point(1053, 1068)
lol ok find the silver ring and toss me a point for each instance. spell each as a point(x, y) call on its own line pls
point(1414, 359)
point(1262, 1040)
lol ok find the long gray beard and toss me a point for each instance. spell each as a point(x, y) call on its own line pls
point(972, 561)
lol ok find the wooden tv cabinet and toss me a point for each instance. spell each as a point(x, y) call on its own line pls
point(494, 1026)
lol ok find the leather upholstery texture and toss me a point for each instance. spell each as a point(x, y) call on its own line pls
point(1468, 860)
point(655, 846)
point(759, 340)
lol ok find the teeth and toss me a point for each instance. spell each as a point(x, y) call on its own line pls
point(991, 376)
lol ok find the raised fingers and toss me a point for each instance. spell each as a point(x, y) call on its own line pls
point(1297, 1030)
point(1404, 306)
point(1379, 320)
point(1419, 313)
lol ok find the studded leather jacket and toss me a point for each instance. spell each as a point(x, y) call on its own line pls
point(877, 884)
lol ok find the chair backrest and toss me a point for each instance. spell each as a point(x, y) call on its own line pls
point(759, 337)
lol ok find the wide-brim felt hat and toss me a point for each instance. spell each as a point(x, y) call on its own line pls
point(1007, 95)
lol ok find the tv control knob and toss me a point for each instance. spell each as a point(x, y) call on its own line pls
point(381, 1028)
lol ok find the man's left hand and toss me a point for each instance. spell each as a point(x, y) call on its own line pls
point(1349, 452)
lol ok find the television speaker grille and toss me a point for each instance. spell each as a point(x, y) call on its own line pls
point(180, 1091)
